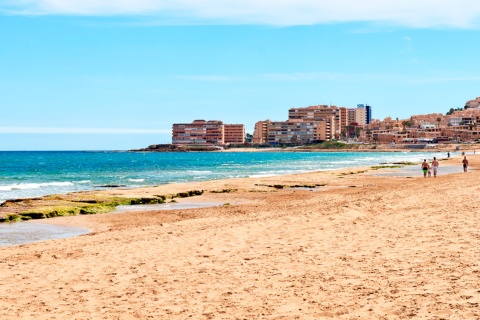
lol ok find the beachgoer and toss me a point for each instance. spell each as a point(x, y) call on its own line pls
point(465, 164)
point(429, 171)
point(425, 168)
point(448, 154)
point(435, 166)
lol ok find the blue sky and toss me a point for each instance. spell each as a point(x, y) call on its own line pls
point(115, 75)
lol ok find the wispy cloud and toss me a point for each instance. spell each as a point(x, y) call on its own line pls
point(212, 78)
point(53, 130)
point(337, 77)
point(412, 13)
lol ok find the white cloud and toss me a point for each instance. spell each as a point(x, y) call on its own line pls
point(338, 77)
point(212, 78)
point(412, 13)
point(52, 130)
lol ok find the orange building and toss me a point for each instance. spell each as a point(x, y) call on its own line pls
point(207, 132)
point(260, 132)
point(198, 132)
point(234, 133)
point(322, 112)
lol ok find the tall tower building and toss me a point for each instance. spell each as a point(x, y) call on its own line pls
point(368, 113)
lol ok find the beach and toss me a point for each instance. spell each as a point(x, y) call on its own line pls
point(345, 244)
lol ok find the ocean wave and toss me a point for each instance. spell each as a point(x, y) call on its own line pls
point(27, 186)
point(136, 180)
point(84, 181)
point(199, 171)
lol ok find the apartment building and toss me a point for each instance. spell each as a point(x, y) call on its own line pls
point(234, 133)
point(291, 131)
point(473, 103)
point(368, 112)
point(357, 115)
point(260, 133)
point(325, 129)
point(198, 132)
point(321, 112)
point(207, 132)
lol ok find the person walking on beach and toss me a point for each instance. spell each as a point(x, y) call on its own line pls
point(435, 166)
point(448, 154)
point(465, 164)
point(429, 171)
point(425, 168)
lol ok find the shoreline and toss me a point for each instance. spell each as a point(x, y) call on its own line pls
point(358, 247)
point(55, 205)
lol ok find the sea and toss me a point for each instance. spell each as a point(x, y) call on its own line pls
point(28, 174)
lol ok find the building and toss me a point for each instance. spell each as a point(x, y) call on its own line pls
point(260, 133)
point(322, 112)
point(291, 131)
point(357, 115)
point(198, 132)
point(325, 129)
point(473, 103)
point(234, 133)
point(367, 114)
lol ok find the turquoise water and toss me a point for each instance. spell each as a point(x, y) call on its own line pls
point(32, 174)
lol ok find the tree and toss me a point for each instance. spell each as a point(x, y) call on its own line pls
point(451, 111)
point(406, 123)
point(294, 139)
point(357, 131)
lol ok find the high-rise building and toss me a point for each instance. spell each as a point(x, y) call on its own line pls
point(357, 116)
point(207, 132)
point(234, 133)
point(260, 133)
point(321, 112)
point(368, 112)
point(198, 132)
point(291, 131)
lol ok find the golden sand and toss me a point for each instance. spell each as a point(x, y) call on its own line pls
point(359, 247)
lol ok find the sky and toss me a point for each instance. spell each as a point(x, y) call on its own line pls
point(115, 75)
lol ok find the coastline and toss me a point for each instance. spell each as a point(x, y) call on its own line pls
point(356, 245)
point(103, 201)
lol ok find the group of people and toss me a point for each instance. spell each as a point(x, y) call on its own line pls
point(427, 169)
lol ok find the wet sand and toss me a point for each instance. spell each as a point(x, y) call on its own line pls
point(365, 246)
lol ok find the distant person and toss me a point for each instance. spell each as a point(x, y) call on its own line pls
point(435, 167)
point(425, 168)
point(448, 154)
point(465, 164)
point(429, 171)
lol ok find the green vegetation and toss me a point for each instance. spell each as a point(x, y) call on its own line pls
point(332, 145)
point(59, 206)
point(282, 186)
point(385, 167)
point(223, 191)
point(450, 112)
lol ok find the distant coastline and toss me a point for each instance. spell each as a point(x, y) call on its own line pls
point(323, 147)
